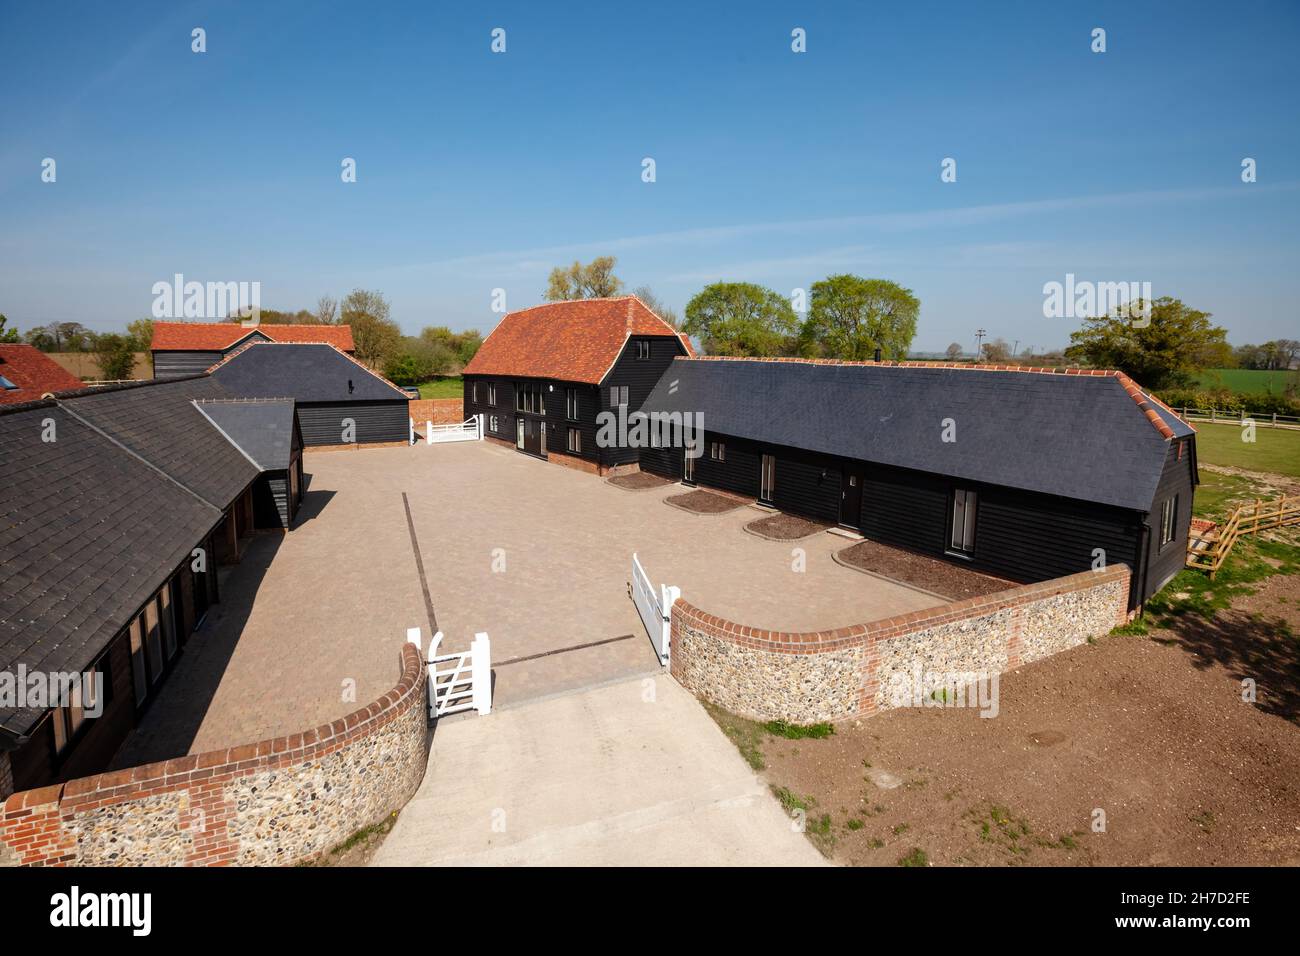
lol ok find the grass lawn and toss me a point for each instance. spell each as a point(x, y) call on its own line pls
point(449, 387)
point(1275, 450)
point(1246, 381)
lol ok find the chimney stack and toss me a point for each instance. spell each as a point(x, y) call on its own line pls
point(877, 355)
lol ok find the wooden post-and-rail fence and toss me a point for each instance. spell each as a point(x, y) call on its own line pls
point(1208, 549)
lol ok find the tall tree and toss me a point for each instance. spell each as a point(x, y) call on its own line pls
point(115, 356)
point(8, 335)
point(850, 317)
point(374, 334)
point(1177, 342)
point(327, 310)
point(740, 318)
point(996, 350)
point(596, 280)
point(954, 352)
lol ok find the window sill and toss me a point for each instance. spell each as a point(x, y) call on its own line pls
point(964, 555)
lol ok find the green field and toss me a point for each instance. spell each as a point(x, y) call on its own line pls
point(1246, 381)
point(1275, 450)
point(450, 387)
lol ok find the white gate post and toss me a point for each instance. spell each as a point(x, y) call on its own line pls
point(481, 667)
point(411, 441)
point(413, 637)
point(670, 594)
point(482, 418)
point(428, 433)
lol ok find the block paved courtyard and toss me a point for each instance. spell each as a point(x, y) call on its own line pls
point(535, 554)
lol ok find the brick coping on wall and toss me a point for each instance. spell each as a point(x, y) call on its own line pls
point(854, 635)
point(48, 843)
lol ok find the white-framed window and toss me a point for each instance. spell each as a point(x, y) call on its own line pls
point(717, 451)
point(473, 392)
point(492, 394)
point(964, 504)
point(642, 349)
point(529, 398)
point(493, 425)
point(575, 441)
point(1168, 521)
point(92, 694)
point(571, 404)
point(617, 395)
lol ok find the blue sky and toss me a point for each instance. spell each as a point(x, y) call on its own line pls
point(478, 171)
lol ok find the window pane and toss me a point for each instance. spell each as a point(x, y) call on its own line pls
point(168, 622)
point(153, 640)
point(139, 672)
point(57, 719)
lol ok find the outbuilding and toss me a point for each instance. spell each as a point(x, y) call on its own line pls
point(1024, 473)
point(188, 348)
point(338, 400)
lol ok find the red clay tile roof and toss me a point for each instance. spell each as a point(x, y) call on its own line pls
point(219, 336)
point(34, 372)
point(574, 341)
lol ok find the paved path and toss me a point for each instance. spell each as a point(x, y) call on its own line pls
point(633, 773)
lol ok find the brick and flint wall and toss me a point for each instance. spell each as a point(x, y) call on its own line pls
point(277, 802)
point(818, 676)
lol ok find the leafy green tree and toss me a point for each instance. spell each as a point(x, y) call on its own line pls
point(8, 335)
point(596, 280)
point(850, 317)
point(468, 346)
point(1166, 351)
point(115, 356)
point(997, 351)
point(141, 332)
point(377, 337)
point(62, 337)
point(741, 318)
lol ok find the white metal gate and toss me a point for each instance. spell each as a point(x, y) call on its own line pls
point(655, 607)
point(464, 682)
point(471, 429)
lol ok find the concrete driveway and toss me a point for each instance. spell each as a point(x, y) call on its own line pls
point(629, 774)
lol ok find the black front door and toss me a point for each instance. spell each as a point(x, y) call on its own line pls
point(533, 430)
point(851, 499)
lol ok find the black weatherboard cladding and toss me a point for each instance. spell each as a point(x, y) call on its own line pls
point(329, 387)
point(177, 364)
point(87, 533)
point(639, 376)
point(1072, 436)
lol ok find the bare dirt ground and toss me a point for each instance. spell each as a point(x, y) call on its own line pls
point(940, 577)
point(784, 527)
point(637, 481)
point(1150, 729)
point(704, 502)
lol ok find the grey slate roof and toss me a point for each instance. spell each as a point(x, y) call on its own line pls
point(87, 533)
point(263, 429)
point(1076, 436)
point(158, 421)
point(305, 372)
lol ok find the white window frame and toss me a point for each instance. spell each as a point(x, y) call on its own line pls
point(965, 513)
point(617, 396)
point(571, 408)
point(717, 451)
point(1168, 521)
point(643, 350)
point(573, 441)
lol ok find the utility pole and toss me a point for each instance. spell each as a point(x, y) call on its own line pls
point(979, 337)
point(1014, 349)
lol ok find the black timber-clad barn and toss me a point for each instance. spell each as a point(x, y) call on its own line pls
point(111, 535)
point(339, 401)
point(544, 377)
point(265, 430)
point(179, 349)
point(1024, 474)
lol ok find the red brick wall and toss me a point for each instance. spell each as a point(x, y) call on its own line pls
point(194, 810)
point(440, 411)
